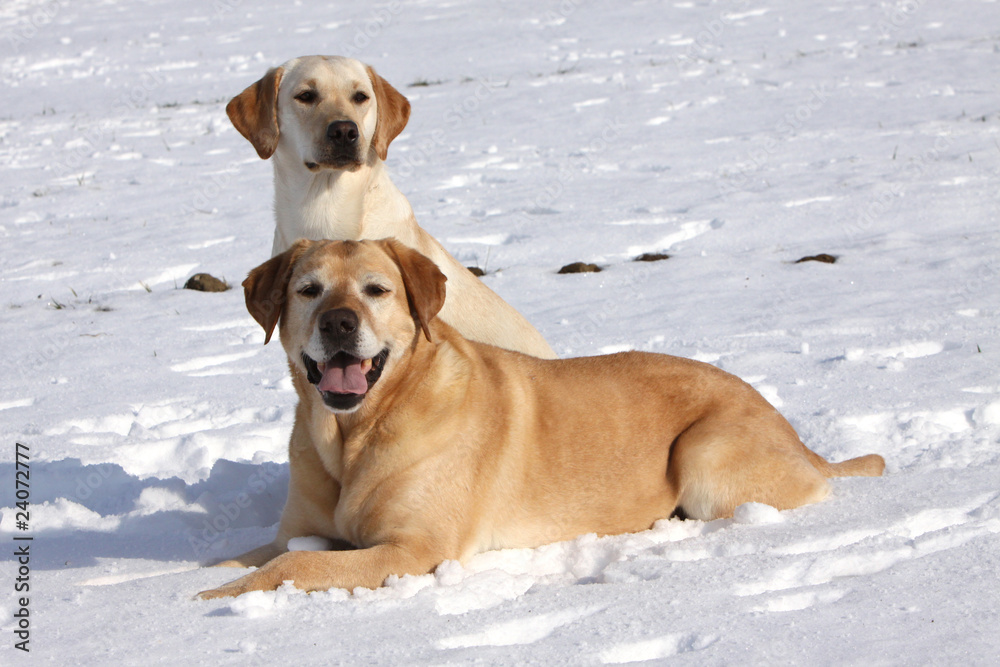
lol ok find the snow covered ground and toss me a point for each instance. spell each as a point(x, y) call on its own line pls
point(736, 136)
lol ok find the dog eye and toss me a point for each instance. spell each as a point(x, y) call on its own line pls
point(311, 290)
point(375, 290)
point(360, 97)
point(306, 96)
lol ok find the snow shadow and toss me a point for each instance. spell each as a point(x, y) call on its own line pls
point(81, 513)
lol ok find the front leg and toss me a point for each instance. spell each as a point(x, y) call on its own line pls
point(322, 570)
point(255, 557)
point(312, 499)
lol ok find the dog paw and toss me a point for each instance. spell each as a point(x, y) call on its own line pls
point(257, 580)
point(227, 591)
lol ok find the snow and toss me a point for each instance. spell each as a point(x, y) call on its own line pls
point(738, 136)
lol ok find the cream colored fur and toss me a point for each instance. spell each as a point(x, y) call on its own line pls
point(319, 195)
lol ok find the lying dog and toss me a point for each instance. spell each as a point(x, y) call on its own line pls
point(326, 123)
point(452, 447)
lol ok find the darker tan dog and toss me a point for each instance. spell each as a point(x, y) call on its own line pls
point(452, 447)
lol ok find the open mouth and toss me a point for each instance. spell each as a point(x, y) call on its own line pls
point(343, 380)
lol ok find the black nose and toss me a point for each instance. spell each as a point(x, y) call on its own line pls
point(338, 322)
point(343, 132)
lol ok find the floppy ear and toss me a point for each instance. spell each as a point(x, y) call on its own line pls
point(393, 112)
point(423, 280)
point(266, 286)
point(254, 112)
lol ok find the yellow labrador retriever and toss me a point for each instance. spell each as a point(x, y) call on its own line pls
point(452, 447)
point(326, 123)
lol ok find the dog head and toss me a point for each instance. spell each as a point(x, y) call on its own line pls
point(328, 112)
point(350, 311)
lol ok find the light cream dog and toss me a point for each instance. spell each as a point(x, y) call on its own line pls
point(452, 447)
point(326, 123)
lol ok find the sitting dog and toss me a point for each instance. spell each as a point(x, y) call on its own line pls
point(451, 447)
point(326, 123)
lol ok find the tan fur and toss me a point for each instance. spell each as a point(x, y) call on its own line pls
point(317, 198)
point(254, 113)
point(393, 113)
point(462, 447)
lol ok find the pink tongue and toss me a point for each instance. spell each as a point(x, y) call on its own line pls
point(344, 377)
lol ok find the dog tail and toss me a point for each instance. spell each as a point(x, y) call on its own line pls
point(870, 465)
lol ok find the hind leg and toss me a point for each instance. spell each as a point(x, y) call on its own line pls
point(719, 463)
